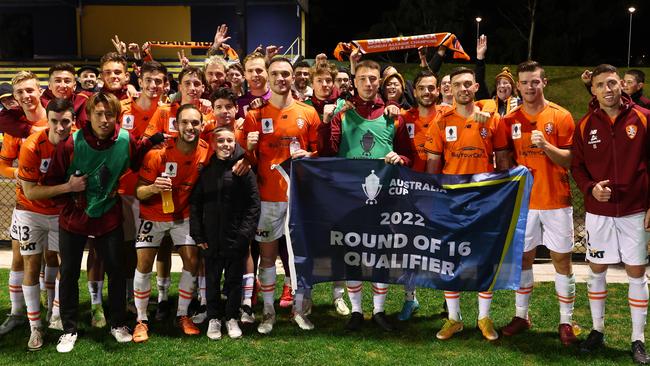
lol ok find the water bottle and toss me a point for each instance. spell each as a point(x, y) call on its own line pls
point(167, 201)
point(294, 145)
point(79, 198)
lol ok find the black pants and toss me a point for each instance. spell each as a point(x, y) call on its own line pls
point(234, 270)
point(110, 247)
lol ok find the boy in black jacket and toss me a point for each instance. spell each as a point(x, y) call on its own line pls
point(224, 211)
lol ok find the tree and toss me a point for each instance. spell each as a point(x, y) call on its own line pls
point(521, 15)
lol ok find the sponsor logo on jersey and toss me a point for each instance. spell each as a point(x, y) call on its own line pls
point(516, 131)
point(170, 124)
point(45, 164)
point(171, 168)
point(451, 134)
point(410, 127)
point(267, 125)
point(128, 121)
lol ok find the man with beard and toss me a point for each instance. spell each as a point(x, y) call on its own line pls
point(300, 87)
point(87, 77)
point(215, 73)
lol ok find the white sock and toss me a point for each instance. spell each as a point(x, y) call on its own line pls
point(202, 294)
point(597, 292)
point(56, 310)
point(484, 302)
point(141, 293)
point(33, 301)
point(41, 278)
point(354, 293)
point(638, 300)
point(337, 289)
point(185, 291)
point(565, 287)
point(16, 292)
point(452, 298)
point(50, 280)
point(379, 291)
point(247, 286)
point(522, 295)
point(267, 287)
point(95, 290)
point(163, 284)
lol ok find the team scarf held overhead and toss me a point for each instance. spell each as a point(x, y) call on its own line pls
point(365, 220)
point(449, 40)
point(229, 52)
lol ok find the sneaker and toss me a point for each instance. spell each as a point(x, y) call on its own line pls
point(187, 325)
point(214, 329)
point(567, 336)
point(595, 340)
point(247, 315)
point(516, 326)
point(286, 299)
point(121, 334)
point(66, 342)
point(141, 332)
point(486, 325)
point(341, 307)
point(303, 322)
point(409, 307)
point(266, 326)
point(450, 328)
point(638, 353)
point(234, 331)
point(12, 321)
point(97, 318)
point(56, 323)
point(162, 311)
point(35, 342)
point(199, 318)
point(356, 321)
point(382, 321)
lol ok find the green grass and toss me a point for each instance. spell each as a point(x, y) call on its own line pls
point(414, 342)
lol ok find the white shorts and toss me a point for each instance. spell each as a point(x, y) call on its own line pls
point(130, 215)
point(612, 240)
point(151, 233)
point(271, 224)
point(550, 228)
point(36, 232)
point(13, 229)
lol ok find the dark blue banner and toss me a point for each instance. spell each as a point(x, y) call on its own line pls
point(368, 221)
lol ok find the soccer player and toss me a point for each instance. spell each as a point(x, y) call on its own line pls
point(341, 138)
point(173, 169)
point(418, 121)
point(61, 84)
point(114, 74)
point(256, 77)
point(456, 130)
point(37, 217)
point(224, 212)
point(27, 92)
point(282, 129)
point(300, 87)
point(541, 133)
point(610, 167)
point(101, 151)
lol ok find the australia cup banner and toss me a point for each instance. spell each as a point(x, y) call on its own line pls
point(368, 221)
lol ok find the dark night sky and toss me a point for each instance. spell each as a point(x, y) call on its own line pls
point(567, 31)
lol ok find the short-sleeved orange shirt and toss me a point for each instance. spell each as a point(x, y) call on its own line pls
point(11, 148)
point(33, 162)
point(418, 128)
point(183, 171)
point(467, 145)
point(165, 116)
point(551, 181)
point(277, 128)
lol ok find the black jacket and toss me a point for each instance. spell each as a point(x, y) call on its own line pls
point(224, 208)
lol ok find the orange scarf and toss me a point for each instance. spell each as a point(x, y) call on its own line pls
point(448, 40)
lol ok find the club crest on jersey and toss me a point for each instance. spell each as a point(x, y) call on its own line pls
point(516, 131)
point(170, 124)
point(127, 121)
point(300, 122)
point(45, 164)
point(267, 125)
point(451, 134)
point(171, 168)
point(484, 132)
point(631, 131)
point(410, 127)
point(367, 143)
point(548, 127)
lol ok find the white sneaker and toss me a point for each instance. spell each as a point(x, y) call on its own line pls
point(199, 318)
point(66, 342)
point(122, 334)
point(247, 315)
point(214, 329)
point(303, 322)
point(266, 326)
point(56, 323)
point(341, 307)
point(234, 331)
point(35, 342)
